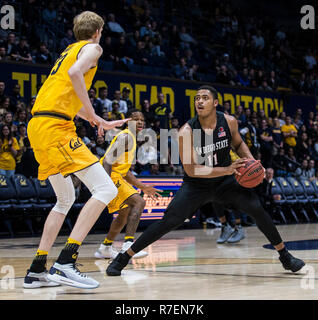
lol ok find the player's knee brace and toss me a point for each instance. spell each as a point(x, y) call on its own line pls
point(105, 192)
point(64, 191)
point(64, 202)
point(98, 183)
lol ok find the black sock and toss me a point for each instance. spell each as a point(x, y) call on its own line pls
point(126, 255)
point(69, 253)
point(283, 251)
point(38, 264)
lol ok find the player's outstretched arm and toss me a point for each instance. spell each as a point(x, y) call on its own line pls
point(146, 188)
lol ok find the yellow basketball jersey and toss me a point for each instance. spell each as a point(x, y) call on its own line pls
point(124, 161)
point(57, 94)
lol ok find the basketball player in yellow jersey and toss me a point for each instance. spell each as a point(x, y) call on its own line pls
point(128, 203)
point(60, 152)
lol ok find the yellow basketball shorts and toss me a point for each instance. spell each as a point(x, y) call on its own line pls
point(125, 190)
point(57, 148)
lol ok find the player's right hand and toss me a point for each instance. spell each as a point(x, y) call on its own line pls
point(97, 121)
point(107, 125)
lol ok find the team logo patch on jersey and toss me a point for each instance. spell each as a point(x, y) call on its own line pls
point(74, 144)
point(221, 132)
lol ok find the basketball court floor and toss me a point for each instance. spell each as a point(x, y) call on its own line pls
point(185, 264)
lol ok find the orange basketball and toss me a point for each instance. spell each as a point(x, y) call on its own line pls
point(252, 174)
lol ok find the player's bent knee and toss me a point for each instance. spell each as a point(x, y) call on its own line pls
point(105, 192)
point(64, 203)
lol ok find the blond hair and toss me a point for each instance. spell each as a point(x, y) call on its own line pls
point(86, 24)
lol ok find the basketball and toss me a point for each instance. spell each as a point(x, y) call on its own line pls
point(252, 174)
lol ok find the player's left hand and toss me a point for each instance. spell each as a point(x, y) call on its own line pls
point(152, 192)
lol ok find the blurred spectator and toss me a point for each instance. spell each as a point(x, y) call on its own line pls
point(174, 57)
point(162, 111)
point(264, 190)
point(258, 39)
point(97, 105)
point(181, 70)
point(10, 44)
point(277, 135)
point(67, 40)
point(122, 103)
point(273, 81)
point(125, 97)
point(280, 163)
point(302, 150)
point(115, 114)
point(223, 76)
point(252, 136)
point(154, 171)
point(15, 97)
point(310, 60)
point(100, 147)
point(192, 73)
point(243, 78)
point(4, 106)
point(282, 118)
point(21, 117)
point(291, 161)
point(8, 119)
point(22, 134)
point(303, 172)
point(289, 132)
point(2, 90)
point(29, 166)
point(148, 113)
point(240, 116)
point(9, 148)
point(266, 142)
point(43, 55)
point(146, 29)
point(174, 37)
point(105, 103)
point(280, 34)
point(113, 25)
point(122, 54)
point(49, 14)
point(81, 132)
point(141, 56)
point(264, 86)
point(186, 38)
point(108, 50)
point(21, 52)
point(134, 38)
point(312, 172)
point(3, 53)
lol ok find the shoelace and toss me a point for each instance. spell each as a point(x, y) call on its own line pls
point(75, 267)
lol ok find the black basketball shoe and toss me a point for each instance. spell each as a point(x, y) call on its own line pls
point(118, 264)
point(291, 263)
